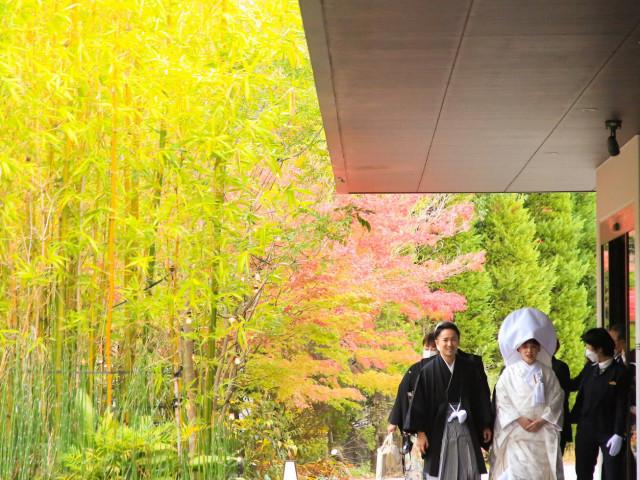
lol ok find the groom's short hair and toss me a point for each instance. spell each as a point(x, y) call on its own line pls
point(446, 326)
point(600, 338)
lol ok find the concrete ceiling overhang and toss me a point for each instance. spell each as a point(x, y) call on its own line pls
point(473, 95)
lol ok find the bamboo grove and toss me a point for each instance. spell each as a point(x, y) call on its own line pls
point(154, 158)
point(180, 285)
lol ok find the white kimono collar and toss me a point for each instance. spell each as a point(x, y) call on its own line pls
point(532, 374)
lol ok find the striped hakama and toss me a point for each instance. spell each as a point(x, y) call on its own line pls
point(457, 459)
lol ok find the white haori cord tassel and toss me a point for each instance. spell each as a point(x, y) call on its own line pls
point(461, 415)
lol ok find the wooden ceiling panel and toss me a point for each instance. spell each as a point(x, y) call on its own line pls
point(489, 134)
point(579, 140)
point(383, 19)
point(453, 178)
point(519, 55)
point(376, 152)
point(465, 168)
point(368, 85)
point(379, 117)
point(555, 178)
point(417, 53)
point(524, 17)
point(477, 95)
point(395, 177)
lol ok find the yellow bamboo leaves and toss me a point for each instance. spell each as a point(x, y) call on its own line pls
point(130, 128)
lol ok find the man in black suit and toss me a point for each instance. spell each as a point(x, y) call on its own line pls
point(561, 370)
point(601, 408)
point(407, 385)
point(400, 410)
point(618, 333)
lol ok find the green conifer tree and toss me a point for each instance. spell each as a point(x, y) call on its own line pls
point(513, 258)
point(584, 211)
point(558, 234)
point(478, 329)
point(477, 324)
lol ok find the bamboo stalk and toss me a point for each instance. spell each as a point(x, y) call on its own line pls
point(32, 292)
point(92, 340)
point(189, 379)
point(91, 361)
point(218, 198)
point(129, 337)
point(13, 314)
point(9, 400)
point(175, 339)
point(111, 260)
point(132, 198)
point(157, 196)
point(61, 288)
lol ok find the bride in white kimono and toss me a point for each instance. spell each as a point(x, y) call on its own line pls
point(529, 402)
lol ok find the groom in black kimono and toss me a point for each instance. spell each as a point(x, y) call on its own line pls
point(452, 391)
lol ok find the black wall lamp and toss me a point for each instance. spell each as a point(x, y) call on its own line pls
point(612, 143)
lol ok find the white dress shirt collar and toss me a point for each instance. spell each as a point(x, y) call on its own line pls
point(604, 365)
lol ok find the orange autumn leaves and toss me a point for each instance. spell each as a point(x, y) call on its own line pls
point(333, 349)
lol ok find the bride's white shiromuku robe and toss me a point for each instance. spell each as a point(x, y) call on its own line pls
point(517, 454)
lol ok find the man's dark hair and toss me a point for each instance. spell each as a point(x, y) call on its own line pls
point(445, 326)
point(429, 340)
point(600, 338)
point(621, 331)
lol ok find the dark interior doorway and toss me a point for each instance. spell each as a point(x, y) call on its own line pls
point(618, 308)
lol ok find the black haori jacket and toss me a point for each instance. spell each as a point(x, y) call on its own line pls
point(431, 400)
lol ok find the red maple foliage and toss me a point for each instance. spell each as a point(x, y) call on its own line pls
point(332, 348)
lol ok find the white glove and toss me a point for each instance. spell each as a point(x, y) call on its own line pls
point(614, 445)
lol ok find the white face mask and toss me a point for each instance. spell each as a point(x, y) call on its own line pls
point(428, 353)
point(591, 355)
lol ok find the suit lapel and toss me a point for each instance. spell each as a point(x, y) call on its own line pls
point(602, 381)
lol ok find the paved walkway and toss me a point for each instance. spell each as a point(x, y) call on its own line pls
point(569, 474)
